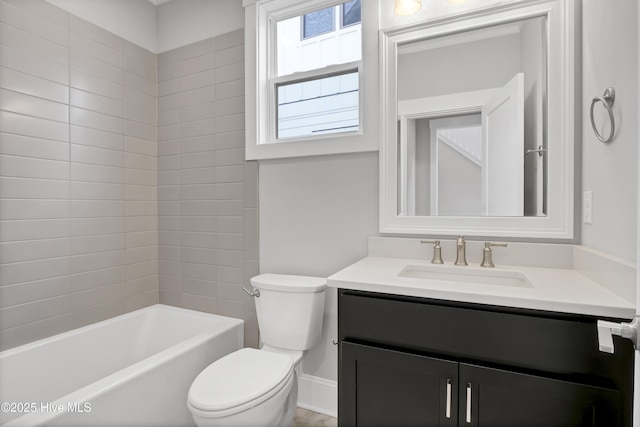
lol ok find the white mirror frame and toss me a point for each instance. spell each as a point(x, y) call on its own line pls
point(559, 221)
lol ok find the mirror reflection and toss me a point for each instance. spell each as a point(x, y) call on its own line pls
point(472, 123)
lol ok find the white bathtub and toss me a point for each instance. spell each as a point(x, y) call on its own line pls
point(132, 370)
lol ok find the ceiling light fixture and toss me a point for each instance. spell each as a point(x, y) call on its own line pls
point(407, 7)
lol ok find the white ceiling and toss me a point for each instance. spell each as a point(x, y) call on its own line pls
point(159, 2)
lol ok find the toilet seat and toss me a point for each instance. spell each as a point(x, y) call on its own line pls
point(239, 381)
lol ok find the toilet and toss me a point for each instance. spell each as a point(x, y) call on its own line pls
point(251, 387)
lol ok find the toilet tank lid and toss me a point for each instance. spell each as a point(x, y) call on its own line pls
point(289, 283)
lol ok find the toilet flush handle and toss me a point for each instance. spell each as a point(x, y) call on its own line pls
point(254, 293)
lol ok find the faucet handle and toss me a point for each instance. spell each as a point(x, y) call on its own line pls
point(461, 256)
point(437, 251)
point(487, 256)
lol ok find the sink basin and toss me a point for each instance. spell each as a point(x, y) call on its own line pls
point(466, 275)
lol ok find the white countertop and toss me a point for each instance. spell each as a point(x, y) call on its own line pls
point(553, 289)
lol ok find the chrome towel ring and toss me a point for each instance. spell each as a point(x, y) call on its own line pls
point(607, 99)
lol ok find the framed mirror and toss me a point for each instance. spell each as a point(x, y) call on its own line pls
point(478, 123)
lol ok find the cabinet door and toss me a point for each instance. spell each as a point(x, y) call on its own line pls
point(497, 398)
point(379, 387)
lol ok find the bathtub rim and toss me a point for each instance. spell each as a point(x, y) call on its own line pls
point(76, 331)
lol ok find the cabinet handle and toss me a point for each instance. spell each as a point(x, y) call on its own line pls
point(448, 409)
point(468, 403)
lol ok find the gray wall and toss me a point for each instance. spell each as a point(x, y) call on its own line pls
point(315, 216)
point(610, 56)
point(533, 66)
point(459, 183)
point(77, 173)
point(483, 64)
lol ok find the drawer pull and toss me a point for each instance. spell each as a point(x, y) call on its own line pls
point(468, 403)
point(448, 409)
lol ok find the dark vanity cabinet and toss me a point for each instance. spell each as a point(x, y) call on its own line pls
point(406, 361)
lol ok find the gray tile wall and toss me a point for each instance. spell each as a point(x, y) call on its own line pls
point(100, 179)
point(78, 212)
point(207, 193)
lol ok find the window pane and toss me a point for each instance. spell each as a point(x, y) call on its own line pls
point(318, 22)
point(297, 52)
point(351, 13)
point(318, 106)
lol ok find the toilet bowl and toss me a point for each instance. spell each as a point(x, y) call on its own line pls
point(246, 388)
point(258, 388)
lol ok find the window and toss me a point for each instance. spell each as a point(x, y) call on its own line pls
point(319, 106)
point(326, 99)
point(351, 13)
point(318, 22)
point(310, 75)
point(315, 40)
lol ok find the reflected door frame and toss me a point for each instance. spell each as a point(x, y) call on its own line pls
point(424, 108)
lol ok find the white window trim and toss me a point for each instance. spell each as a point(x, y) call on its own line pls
point(260, 17)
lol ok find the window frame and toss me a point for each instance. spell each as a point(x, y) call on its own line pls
point(261, 17)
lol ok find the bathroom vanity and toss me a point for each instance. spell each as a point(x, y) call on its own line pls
point(444, 346)
point(417, 361)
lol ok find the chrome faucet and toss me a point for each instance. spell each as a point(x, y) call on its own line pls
point(461, 258)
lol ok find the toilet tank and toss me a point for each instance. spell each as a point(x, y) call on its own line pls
point(290, 310)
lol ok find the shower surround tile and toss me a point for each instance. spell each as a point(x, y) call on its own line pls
point(77, 213)
point(122, 176)
point(201, 166)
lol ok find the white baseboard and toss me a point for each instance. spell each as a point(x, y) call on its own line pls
point(318, 394)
